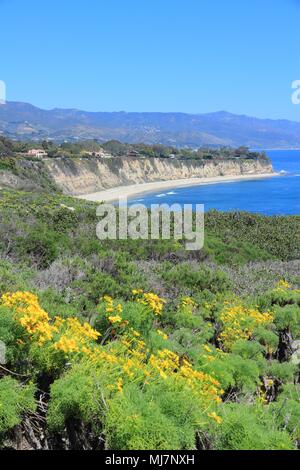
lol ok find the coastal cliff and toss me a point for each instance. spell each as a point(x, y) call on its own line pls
point(86, 175)
point(80, 176)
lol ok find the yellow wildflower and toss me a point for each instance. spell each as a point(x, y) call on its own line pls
point(115, 319)
point(137, 291)
point(239, 323)
point(283, 285)
point(136, 333)
point(215, 417)
point(120, 385)
point(162, 334)
point(153, 301)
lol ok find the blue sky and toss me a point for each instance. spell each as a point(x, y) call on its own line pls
point(153, 55)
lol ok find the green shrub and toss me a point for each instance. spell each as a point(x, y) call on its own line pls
point(288, 317)
point(187, 279)
point(161, 418)
point(287, 410)
point(76, 395)
point(246, 427)
point(234, 372)
point(14, 401)
point(41, 246)
point(9, 333)
point(14, 277)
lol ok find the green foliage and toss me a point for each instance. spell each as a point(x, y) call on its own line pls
point(288, 317)
point(158, 419)
point(282, 372)
point(265, 237)
point(138, 317)
point(14, 277)
point(225, 249)
point(236, 373)
point(7, 163)
point(248, 350)
point(287, 410)
point(89, 148)
point(161, 417)
point(42, 246)
point(267, 338)
point(189, 280)
point(48, 246)
point(74, 397)
point(14, 401)
point(9, 333)
point(250, 428)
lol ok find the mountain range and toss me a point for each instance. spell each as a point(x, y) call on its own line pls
point(24, 121)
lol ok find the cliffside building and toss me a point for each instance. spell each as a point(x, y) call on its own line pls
point(37, 153)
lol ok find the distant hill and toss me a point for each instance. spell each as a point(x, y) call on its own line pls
point(24, 121)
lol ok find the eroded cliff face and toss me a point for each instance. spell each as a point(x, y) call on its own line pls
point(83, 176)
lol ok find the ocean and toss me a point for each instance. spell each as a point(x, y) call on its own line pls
point(279, 195)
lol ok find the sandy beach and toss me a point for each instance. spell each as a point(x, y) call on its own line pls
point(129, 191)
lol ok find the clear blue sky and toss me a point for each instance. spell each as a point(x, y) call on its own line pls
point(153, 55)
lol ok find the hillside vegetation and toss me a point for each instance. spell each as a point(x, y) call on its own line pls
point(141, 344)
point(87, 148)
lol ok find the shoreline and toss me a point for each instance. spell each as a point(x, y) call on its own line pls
point(112, 194)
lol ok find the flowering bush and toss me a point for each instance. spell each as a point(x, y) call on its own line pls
point(143, 381)
point(240, 322)
point(202, 355)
